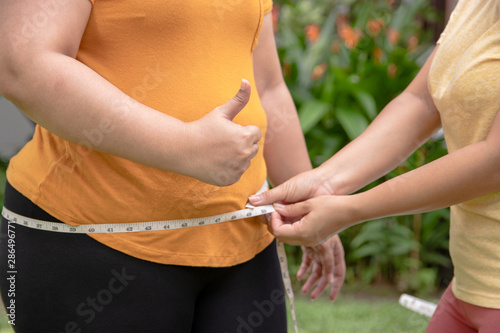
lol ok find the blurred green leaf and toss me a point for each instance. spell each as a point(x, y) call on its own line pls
point(353, 122)
point(310, 113)
point(368, 103)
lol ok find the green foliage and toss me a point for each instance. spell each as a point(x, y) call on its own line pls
point(343, 61)
point(342, 64)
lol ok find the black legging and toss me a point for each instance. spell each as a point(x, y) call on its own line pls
point(72, 283)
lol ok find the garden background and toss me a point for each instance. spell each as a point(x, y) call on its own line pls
point(343, 61)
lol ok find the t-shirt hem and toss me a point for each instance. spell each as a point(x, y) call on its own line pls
point(475, 299)
point(193, 260)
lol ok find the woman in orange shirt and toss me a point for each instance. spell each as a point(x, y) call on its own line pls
point(127, 97)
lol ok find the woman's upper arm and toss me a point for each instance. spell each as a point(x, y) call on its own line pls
point(31, 26)
point(267, 68)
point(419, 87)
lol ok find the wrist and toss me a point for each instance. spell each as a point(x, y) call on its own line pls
point(360, 208)
point(339, 212)
point(184, 157)
point(341, 181)
point(331, 181)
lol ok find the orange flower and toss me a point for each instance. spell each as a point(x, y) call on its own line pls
point(312, 32)
point(377, 55)
point(336, 47)
point(412, 42)
point(350, 36)
point(392, 70)
point(393, 35)
point(374, 26)
point(275, 15)
point(318, 71)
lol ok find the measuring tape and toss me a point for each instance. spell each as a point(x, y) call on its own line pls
point(418, 305)
point(250, 211)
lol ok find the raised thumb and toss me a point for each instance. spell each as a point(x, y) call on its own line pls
point(238, 102)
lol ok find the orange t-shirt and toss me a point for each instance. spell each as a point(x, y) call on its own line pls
point(182, 58)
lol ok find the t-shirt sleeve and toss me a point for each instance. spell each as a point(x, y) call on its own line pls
point(452, 22)
point(268, 6)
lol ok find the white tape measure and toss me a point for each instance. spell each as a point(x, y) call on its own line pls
point(250, 211)
point(418, 305)
point(136, 226)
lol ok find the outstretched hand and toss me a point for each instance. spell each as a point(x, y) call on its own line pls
point(327, 268)
point(220, 150)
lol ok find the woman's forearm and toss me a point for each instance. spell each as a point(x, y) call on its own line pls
point(463, 175)
point(285, 149)
point(72, 101)
point(402, 126)
point(398, 131)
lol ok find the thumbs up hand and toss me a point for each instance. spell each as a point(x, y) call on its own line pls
point(222, 150)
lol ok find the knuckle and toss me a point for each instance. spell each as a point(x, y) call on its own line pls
point(238, 98)
point(252, 133)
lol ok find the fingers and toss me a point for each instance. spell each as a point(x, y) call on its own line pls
point(285, 232)
point(316, 280)
point(328, 268)
point(277, 194)
point(321, 286)
point(327, 261)
point(339, 269)
point(335, 288)
point(293, 210)
point(307, 260)
point(238, 102)
point(312, 279)
point(251, 136)
point(289, 224)
point(322, 273)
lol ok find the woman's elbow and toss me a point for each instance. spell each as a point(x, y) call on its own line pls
point(13, 67)
point(7, 75)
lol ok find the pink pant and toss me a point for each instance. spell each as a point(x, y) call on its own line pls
point(455, 316)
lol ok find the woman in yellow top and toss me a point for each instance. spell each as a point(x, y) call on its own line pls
point(127, 96)
point(458, 89)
